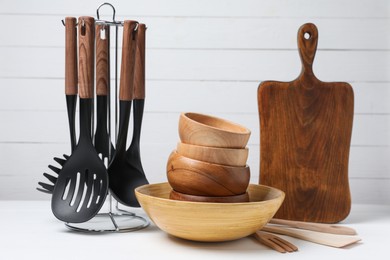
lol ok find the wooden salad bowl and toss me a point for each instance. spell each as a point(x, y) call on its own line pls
point(199, 178)
point(211, 131)
point(216, 155)
point(209, 222)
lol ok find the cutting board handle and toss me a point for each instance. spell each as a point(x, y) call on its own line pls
point(307, 46)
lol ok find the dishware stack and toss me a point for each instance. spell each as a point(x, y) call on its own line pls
point(209, 164)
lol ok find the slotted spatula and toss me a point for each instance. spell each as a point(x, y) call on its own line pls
point(82, 184)
point(133, 154)
point(123, 181)
point(71, 99)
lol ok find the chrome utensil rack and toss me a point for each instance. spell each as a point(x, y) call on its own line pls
point(116, 219)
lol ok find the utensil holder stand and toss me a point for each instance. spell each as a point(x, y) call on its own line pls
point(119, 220)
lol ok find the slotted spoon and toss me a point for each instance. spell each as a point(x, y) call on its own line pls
point(82, 184)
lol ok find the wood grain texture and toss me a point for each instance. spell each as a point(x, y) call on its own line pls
point(70, 56)
point(128, 61)
point(275, 242)
point(318, 227)
point(102, 59)
point(206, 130)
point(199, 178)
point(139, 70)
point(305, 136)
point(224, 156)
point(86, 32)
point(175, 195)
point(332, 240)
point(209, 221)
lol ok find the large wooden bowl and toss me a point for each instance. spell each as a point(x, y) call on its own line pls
point(205, 130)
point(209, 222)
point(199, 178)
point(216, 155)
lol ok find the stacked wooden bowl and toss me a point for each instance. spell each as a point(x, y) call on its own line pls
point(209, 164)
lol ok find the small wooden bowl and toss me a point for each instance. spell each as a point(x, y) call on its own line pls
point(224, 156)
point(174, 195)
point(199, 178)
point(205, 130)
point(209, 222)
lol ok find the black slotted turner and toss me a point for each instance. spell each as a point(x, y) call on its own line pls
point(82, 184)
point(71, 99)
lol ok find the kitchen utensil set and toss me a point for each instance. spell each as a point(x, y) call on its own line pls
point(319, 227)
point(321, 238)
point(299, 123)
point(86, 176)
point(323, 234)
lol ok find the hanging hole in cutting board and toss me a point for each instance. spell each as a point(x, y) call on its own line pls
point(307, 36)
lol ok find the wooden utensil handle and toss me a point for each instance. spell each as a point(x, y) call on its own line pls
point(86, 56)
point(319, 227)
point(70, 56)
point(139, 70)
point(315, 237)
point(307, 46)
point(128, 60)
point(102, 59)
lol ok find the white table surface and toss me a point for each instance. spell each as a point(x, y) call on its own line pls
point(30, 231)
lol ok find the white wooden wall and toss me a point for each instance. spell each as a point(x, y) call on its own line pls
point(204, 56)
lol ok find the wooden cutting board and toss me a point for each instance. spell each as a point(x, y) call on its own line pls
point(305, 136)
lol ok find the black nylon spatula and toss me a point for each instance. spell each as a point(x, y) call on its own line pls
point(122, 180)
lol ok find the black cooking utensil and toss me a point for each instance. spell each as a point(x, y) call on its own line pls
point(121, 182)
point(102, 137)
point(82, 184)
point(71, 98)
point(133, 155)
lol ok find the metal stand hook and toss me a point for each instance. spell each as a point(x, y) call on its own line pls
point(113, 11)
